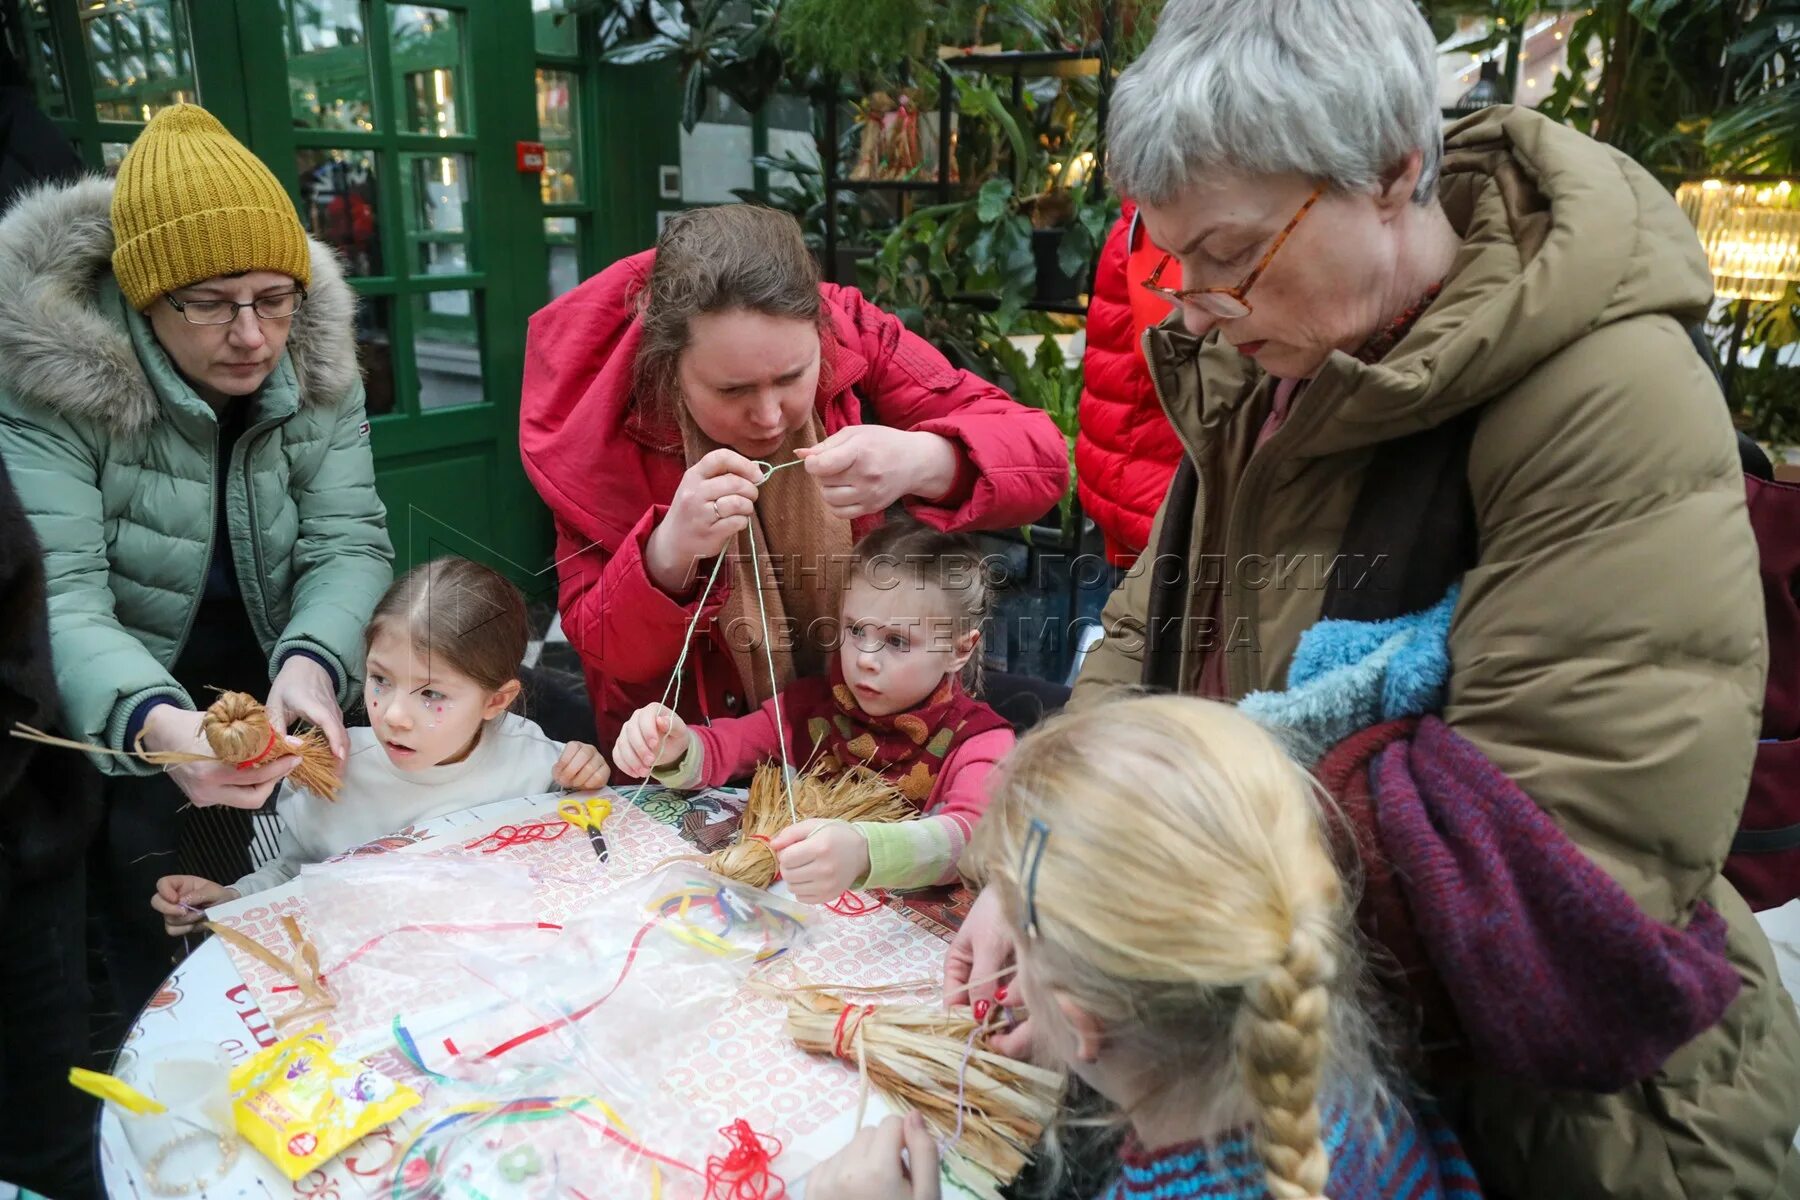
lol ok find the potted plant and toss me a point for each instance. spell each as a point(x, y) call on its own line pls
point(724, 44)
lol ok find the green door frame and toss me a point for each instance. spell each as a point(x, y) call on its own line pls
point(233, 59)
point(507, 258)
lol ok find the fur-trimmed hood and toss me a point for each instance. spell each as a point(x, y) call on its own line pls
point(62, 350)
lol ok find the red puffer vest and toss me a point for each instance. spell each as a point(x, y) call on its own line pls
point(1126, 451)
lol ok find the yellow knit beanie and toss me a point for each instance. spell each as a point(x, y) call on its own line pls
point(192, 203)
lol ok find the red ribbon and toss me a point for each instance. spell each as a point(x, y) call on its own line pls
point(497, 927)
point(249, 763)
point(529, 1035)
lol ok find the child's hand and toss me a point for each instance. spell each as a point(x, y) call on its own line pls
point(870, 1167)
point(650, 727)
point(821, 860)
point(580, 768)
point(178, 897)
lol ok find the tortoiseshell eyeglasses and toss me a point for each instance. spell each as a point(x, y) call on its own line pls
point(1227, 303)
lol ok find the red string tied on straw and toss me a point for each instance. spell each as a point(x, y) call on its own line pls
point(843, 1034)
point(763, 838)
point(746, 1171)
point(262, 756)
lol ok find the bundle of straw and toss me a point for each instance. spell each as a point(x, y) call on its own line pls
point(986, 1108)
point(858, 794)
point(237, 729)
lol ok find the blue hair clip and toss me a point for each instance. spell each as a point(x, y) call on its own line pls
point(1031, 854)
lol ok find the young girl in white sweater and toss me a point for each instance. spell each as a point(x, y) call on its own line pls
point(443, 655)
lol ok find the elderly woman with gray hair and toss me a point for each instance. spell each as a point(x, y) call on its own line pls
point(1432, 357)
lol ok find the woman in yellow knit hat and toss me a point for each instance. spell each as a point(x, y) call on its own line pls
point(181, 413)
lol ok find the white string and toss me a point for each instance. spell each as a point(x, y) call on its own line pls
point(687, 642)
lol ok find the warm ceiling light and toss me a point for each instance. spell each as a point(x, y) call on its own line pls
point(1750, 229)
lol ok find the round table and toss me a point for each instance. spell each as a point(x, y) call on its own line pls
point(207, 999)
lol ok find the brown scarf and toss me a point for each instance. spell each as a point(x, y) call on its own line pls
point(802, 551)
point(829, 729)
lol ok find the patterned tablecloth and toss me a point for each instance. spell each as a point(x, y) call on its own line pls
point(744, 1066)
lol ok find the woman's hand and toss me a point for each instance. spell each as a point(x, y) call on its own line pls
point(653, 737)
point(979, 967)
point(181, 898)
point(209, 783)
point(712, 504)
point(864, 468)
point(303, 688)
point(870, 1167)
point(821, 860)
point(580, 768)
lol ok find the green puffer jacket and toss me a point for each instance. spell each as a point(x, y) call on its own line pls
point(114, 457)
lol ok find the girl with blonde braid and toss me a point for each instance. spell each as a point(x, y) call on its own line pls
point(1185, 947)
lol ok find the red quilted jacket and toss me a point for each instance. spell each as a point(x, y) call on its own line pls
point(607, 474)
point(1126, 451)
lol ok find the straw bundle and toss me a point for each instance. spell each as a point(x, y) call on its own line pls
point(854, 795)
point(923, 1058)
point(237, 729)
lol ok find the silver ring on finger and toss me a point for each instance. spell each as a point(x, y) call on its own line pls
point(717, 515)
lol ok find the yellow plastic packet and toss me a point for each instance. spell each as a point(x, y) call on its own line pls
point(300, 1106)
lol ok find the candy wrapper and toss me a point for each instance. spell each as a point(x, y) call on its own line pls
point(300, 1105)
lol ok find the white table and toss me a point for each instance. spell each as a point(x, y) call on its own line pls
point(207, 1000)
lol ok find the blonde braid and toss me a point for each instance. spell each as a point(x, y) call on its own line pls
point(1283, 1033)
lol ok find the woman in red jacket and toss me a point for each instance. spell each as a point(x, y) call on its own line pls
point(1126, 452)
point(657, 395)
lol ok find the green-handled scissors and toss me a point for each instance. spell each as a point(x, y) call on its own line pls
point(588, 815)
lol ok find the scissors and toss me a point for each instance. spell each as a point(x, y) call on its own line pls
point(588, 815)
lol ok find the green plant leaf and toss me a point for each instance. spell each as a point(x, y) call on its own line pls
point(693, 98)
point(1074, 252)
point(993, 199)
point(668, 19)
point(644, 50)
point(617, 20)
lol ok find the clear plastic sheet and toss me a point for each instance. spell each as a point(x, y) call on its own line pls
point(390, 929)
point(562, 1058)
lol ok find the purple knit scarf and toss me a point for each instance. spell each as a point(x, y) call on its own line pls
point(1555, 973)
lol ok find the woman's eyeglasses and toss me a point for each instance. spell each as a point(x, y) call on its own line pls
point(1227, 303)
point(278, 307)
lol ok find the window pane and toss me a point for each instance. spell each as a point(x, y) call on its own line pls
point(791, 135)
point(140, 55)
point(438, 219)
point(328, 65)
point(715, 154)
point(112, 154)
point(554, 27)
point(338, 205)
point(46, 62)
point(375, 352)
point(561, 181)
point(447, 349)
point(426, 54)
point(565, 259)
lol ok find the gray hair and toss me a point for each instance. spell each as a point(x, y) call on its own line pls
point(1335, 90)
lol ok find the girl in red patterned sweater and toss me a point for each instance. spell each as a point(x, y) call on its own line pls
point(897, 701)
